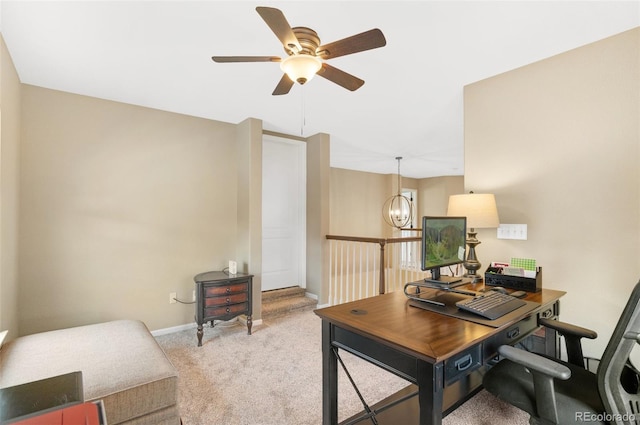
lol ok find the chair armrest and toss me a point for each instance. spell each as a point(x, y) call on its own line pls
point(543, 371)
point(632, 335)
point(572, 336)
point(534, 362)
point(568, 329)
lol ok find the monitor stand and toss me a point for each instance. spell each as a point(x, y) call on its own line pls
point(445, 282)
point(425, 284)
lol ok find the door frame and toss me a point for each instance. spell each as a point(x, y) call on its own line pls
point(301, 240)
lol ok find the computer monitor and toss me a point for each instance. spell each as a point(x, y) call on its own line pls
point(443, 244)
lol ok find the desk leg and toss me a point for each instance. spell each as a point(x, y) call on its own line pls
point(430, 392)
point(329, 378)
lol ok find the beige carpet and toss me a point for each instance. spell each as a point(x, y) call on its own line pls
point(274, 376)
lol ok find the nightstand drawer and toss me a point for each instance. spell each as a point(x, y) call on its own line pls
point(225, 310)
point(226, 300)
point(233, 288)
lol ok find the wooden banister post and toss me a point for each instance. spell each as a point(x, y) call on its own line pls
point(382, 286)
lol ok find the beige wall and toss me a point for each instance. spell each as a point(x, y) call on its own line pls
point(356, 203)
point(357, 199)
point(558, 142)
point(433, 194)
point(9, 191)
point(318, 215)
point(120, 205)
point(249, 193)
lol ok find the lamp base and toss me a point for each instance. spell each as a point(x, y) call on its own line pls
point(475, 278)
point(471, 263)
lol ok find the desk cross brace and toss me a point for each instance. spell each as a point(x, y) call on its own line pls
point(369, 412)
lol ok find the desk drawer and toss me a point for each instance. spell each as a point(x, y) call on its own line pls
point(462, 364)
point(390, 359)
point(549, 311)
point(510, 336)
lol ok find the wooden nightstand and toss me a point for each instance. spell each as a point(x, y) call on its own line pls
point(221, 296)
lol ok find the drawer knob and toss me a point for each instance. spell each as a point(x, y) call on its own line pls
point(228, 300)
point(228, 310)
point(228, 290)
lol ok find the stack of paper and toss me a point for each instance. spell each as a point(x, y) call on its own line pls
point(525, 267)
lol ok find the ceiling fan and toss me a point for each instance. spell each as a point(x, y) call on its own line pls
point(305, 54)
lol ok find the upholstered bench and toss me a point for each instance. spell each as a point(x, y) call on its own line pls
point(121, 364)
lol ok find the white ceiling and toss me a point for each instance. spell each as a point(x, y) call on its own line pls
point(158, 54)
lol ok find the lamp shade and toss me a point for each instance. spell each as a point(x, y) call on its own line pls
point(301, 67)
point(479, 208)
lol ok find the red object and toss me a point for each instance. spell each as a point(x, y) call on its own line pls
point(80, 414)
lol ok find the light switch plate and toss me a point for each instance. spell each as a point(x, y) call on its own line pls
point(512, 231)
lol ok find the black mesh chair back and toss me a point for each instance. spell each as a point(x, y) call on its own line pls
point(616, 383)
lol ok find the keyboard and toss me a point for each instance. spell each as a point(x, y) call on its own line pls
point(491, 305)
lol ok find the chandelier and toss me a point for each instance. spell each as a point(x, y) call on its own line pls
point(398, 210)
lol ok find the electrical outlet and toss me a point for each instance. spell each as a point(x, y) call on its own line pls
point(193, 297)
point(172, 297)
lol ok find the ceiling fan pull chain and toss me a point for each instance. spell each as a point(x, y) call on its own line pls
point(303, 117)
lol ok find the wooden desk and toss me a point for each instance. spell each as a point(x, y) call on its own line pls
point(442, 355)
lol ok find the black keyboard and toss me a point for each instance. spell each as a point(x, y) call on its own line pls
point(491, 305)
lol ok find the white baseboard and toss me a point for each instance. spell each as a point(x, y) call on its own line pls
point(166, 331)
point(173, 329)
point(243, 319)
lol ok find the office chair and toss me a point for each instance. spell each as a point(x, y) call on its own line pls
point(556, 392)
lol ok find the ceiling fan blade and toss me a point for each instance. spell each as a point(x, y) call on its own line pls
point(367, 40)
point(340, 77)
point(283, 86)
point(227, 59)
point(280, 27)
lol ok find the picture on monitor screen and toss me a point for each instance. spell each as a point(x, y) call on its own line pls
point(443, 244)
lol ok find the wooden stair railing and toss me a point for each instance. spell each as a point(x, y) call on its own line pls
point(404, 261)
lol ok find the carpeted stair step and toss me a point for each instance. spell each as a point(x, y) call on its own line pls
point(283, 301)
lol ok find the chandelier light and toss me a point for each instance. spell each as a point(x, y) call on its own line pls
point(301, 67)
point(398, 210)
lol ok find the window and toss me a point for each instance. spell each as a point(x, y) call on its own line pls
point(409, 254)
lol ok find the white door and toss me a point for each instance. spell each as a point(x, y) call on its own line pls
point(283, 213)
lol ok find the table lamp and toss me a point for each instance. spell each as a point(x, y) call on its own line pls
point(481, 212)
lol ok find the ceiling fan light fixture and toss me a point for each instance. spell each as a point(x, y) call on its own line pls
point(301, 67)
